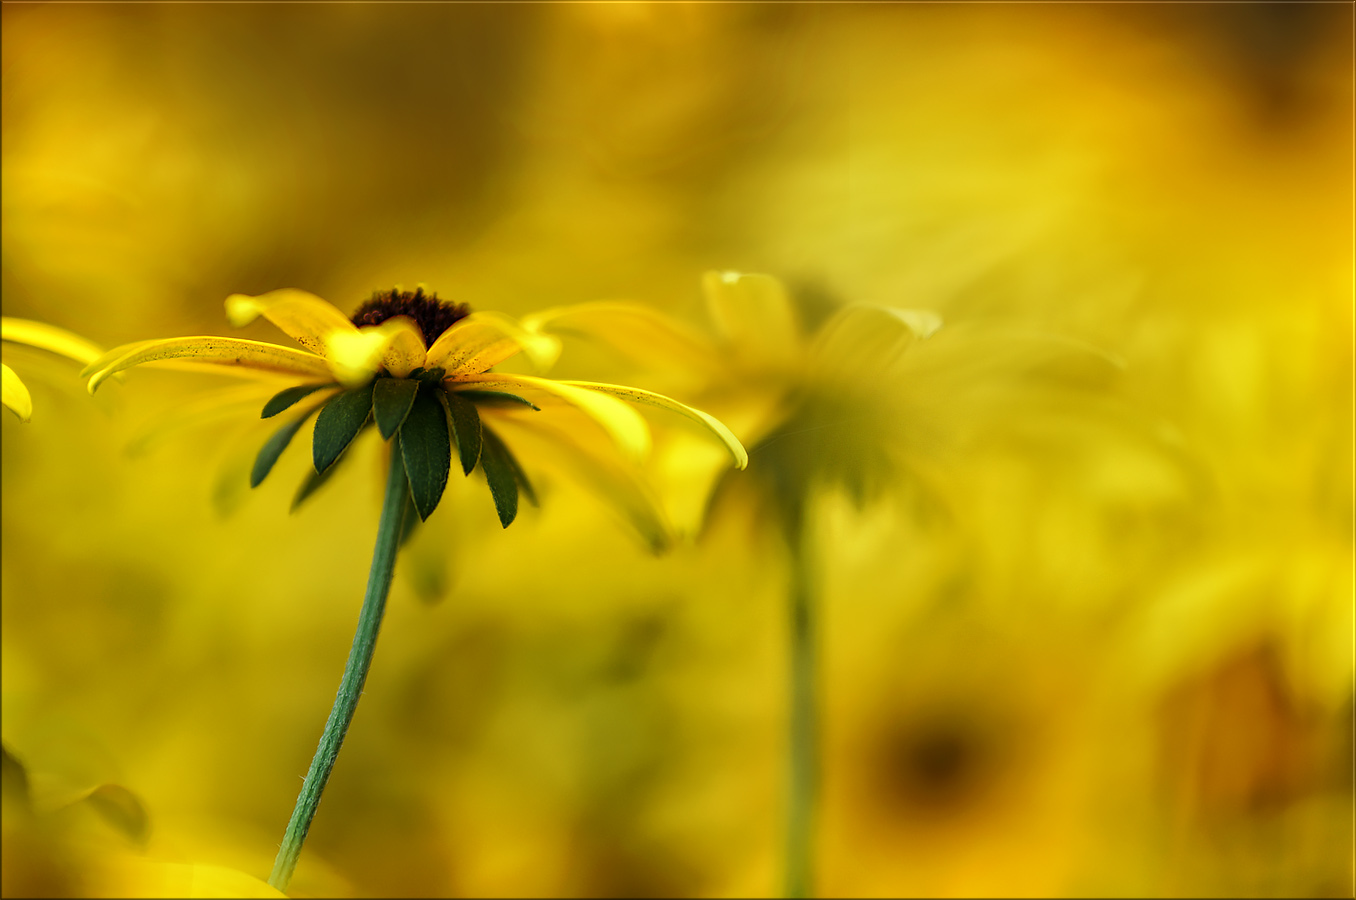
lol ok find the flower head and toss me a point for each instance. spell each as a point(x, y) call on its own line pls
point(872, 397)
point(418, 369)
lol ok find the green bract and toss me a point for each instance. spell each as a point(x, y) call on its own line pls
point(429, 421)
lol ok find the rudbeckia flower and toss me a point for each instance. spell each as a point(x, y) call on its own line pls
point(417, 369)
point(13, 392)
point(874, 397)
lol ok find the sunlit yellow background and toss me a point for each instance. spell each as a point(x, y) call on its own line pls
point(1118, 660)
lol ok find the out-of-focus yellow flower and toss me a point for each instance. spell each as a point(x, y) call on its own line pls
point(93, 841)
point(418, 366)
point(13, 393)
point(874, 393)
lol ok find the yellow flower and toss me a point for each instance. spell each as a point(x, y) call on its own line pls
point(13, 393)
point(419, 367)
point(817, 405)
point(863, 398)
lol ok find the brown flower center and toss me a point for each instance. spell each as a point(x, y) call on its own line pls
point(433, 316)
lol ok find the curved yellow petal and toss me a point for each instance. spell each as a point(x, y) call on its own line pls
point(14, 395)
point(404, 346)
point(865, 342)
point(754, 314)
point(304, 317)
point(622, 423)
point(636, 395)
point(354, 357)
point(49, 337)
point(556, 446)
point(485, 339)
point(212, 349)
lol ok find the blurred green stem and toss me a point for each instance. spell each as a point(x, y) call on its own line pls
point(803, 769)
point(393, 513)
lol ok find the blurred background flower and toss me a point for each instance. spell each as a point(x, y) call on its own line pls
point(1112, 655)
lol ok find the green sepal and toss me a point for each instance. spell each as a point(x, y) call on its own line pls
point(409, 524)
point(432, 376)
point(499, 468)
point(465, 422)
point(289, 396)
point(392, 399)
point(490, 397)
point(338, 424)
point(273, 448)
point(426, 447)
point(524, 485)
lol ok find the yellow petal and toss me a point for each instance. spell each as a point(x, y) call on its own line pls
point(553, 445)
point(404, 348)
point(485, 339)
point(636, 395)
point(640, 331)
point(864, 342)
point(49, 337)
point(355, 357)
point(217, 350)
point(304, 317)
point(755, 316)
point(622, 423)
point(14, 395)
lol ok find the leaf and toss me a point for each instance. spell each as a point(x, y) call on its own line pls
point(426, 448)
point(466, 426)
point(391, 402)
point(287, 397)
point(497, 398)
point(496, 463)
point(273, 448)
point(524, 485)
point(409, 521)
point(338, 424)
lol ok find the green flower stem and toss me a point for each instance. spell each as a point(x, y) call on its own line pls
point(804, 726)
point(393, 513)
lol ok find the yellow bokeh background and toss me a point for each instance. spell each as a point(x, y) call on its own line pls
point(1107, 650)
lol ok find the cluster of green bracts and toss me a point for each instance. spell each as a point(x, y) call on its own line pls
point(429, 421)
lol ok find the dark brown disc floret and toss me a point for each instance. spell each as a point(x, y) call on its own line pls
point(433, 316)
